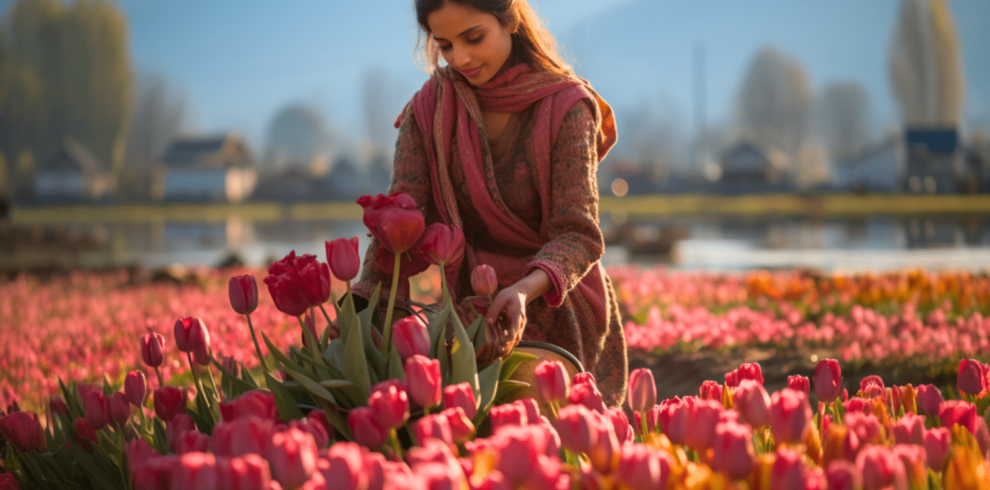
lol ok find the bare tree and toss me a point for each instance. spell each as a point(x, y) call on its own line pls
point(841, 118)
point(926, 64)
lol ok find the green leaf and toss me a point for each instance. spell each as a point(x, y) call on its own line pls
point(100, 477)
point(512, 362)
point(280, 357)
point(313, 387)
point(488, 378)
point(395, 368)
point(473, 329)
point(509, 386)
point(286, 404)
point(347, 393)
point(201, 421)
point(319, 363)
point(337, 420)
point(348, 320)
point(437, 328)
point(355, 366)
point(232, 386)
point(464, 367)
point(375, 358)
point(247, 378)
point(158, 439)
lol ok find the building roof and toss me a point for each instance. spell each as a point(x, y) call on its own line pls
point(866, 154)
point(744, 156)
point(935, 139)
point(74, 156)
point(209, 151)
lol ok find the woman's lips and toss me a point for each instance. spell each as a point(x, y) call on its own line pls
point(471, 73)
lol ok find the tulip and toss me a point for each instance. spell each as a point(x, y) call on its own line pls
point(929, 399)
point(292, 456)
point(313, 428)
point(937, 442)
point(800, 383)
point(866, 427)
point(484, 281)
point(954, 412)
point(973, 377)
point(169, 401)
point(790, 416)
point(435, 426)
point(345, 466)
point(118, 409)
point(257, 403)
point(551, 381)
point(732, 378)
point(23, 431)
point(389, 403)
point(243, 293)
point(441, 244)
point(909, 398)
point(461, 427)
point(584, 391)
point(704, 417)
point(366, 430)
point(401, 229)
point(343, 258)
point(191, 336)
point(872, 380)
point(8, 482)
point(248, 472)
point(734, 454)
point(58, 406)
point(642, 467)
point(298, 283)
point(96, 408)
point(914, 459)
point(138, 451)
point(85, 437)
point(844, 475)
point(788, 470)
point(828, 380)
point(153, 349)
point(135, 388)
point(195, 471)
point(191, 441)
point(156, 473)
point(604, 454)
point(620, 423)
point(519, 457)
point(320, 417)
point(508, 414)
point(880, 468)
point(248, 435)
point(710, 390)
point(574, 426)
point(411, 337)
point(910, 429)
point(179, 424)
point(531, 408)
point(751, 371)
point(461, 395)
point(424, 381)
point(642, 390)
point(230, 365)
point(753, 403)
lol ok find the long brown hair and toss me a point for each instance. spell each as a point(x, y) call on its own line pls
point(531, 43)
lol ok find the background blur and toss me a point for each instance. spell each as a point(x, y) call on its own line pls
point(842, 135)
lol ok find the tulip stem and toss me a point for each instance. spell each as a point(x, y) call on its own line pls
point(642, 425)
point(254, 337)
point(161, 382)
point(387, 328)
point(443, 286)
point(199, 382)
point(393, 439)
point(213, 382)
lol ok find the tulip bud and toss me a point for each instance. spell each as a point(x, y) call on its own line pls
point(292, 456)
point(734, 454)
point(937, 442)
point(910, 429)
point(954, 412)
point(508, 414)
point(790, 416)
point(320, 417)
point(620, 423)
point(249, 435)
point(531, 408)
point(243, 293)
point(343, 258)
point(972, 378)
point(179, 424)
point(169, 401)
point(753, 403)
point(732, 378)
point(828, 380)
point(441, 244)
point(913, 458)
point(118, 409)
point(191, 441)
point(96, 408)
point(751, 370)
point(436, 426)
point(258, 403)
point(844, 475)
point(880, 468)
point(642, 390)
point(574, 426)
point(929, 399)
point(8, 482)
point(461, 395)
point(642, 467)
point(520, 454)
point(484, 281)
point(389, 403)
point(153, 349)
point(248, 472)
point(195, 471)
point(230, 365)
point(58, 406)
point(135, 388)
point(461, 427)
point(411, 337)
point(788, 470)
point(800, 383)
point(710, 390)
point(604, 454)
point(584, 391)
point(192, 336)
point(424, 381)
point(365, 429)
point(23, 431)
point(551, 381)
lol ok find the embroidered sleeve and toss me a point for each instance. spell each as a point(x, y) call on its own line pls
point(410, 174)
point(576, 240)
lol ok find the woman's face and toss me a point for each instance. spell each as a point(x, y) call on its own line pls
point(471, 41)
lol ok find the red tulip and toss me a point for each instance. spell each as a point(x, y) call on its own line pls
point(23, 430)
point(411, 337)
point(954, 412)
point(788, 470)
point(298, 283)
point(248, 472)
point(642, 390)
point(929, 399)
point(257, 403)
point(800, 383)
point(574, 424)
point(751, 370)
point(910, 429)
point(828, 380)
point(937, 442)
point(734, 454)
point(642, 467)
point(880, 468)
point(753, 403)
point(8, 482)
point(461, 395)
point(292, 456)
point(620, 422)
point(484, 281)
point(191, 441)
point(710, 390)
point(248, 435)
point(155, 473)
point(843, 475)
point(96, 408)
point(343, 258)
point(195, 471)
point(508, 414)
point(401, 228)
point(873, 380)
point(169, 401)
point(314, 428)
point(584, 391)
point(153, 349)
point(389, 403)
point(85, 436)
point(424, 381)
point(732, 378)
point(441, 244)
point(365, 429)
point(179, 425)
point(192, 336)
point(320, 417)
point(973, 377)
point(58, 406)
point(118, 409)
point(461, 427)
point(135, 388)
point(435, 426)
point(243, 293)
point(345, 466)
point(551, 381)
point(138, 451)
point(790, 416)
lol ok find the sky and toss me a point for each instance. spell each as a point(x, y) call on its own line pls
point(238, 63)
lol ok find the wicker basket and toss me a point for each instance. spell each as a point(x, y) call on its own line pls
point(525, 372)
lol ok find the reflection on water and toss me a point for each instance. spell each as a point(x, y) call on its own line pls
point(853, 244)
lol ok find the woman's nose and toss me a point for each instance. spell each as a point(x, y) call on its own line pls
point(461, 57)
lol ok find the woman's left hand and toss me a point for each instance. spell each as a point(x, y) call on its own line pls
point(510, 305)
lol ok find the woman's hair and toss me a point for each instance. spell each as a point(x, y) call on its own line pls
point(531, 43)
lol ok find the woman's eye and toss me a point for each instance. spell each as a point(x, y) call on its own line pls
point(445, 48)
point(475, 40)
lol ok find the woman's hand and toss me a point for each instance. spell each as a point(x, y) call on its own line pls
point(510, 304)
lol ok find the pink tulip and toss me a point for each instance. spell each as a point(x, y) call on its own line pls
point(248, 472)
point(519, 458)
point(344, 465)
point(642, 467)
point(292, 457)
point(973, 377)
point(8, 482)
point(844, 475)
point(954, 412)
point(96, 408)
point(191, 441)
point(441, 244)
point(365, 428)
point(584, 390)
point(461, 395)
point(937, 442)
point(732, 378)
point(343, 258)
point(84, 437)
point(192, 336)
point(790, 416)
point(620, 423)
point(156, 473)
point(256, 403)
point(461, 427)
point(135, 388)
point(508, 414)
point(734, 454)
point(551, 381)
point(710, 390)
point(195, 471)
point(604, 454)
point(914, 460)
point(531, 408)
point(751, 370)
point(800, 383)
point(642, 390)
point(788, 470)
point(866, 427)
point(484, 281)
point(880, 468)
point(910, 429)
point(312, 427)
point(411, 337)
point(753, 403)
point(23, 431)
point(169, 401)
point(153, 349)
point(247, 435)
point(929, 399)
point(389, 403)
point(320, 417)
point(872, 380)
point(138, 451)
point(436, 426)
point(828, 380)
point(574, 426)
point(243, 293)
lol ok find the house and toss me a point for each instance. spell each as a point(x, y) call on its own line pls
point(934, 162)
point(74, 174)
point(295, 184)
point(874, 169)
point(212, 169)
point(747, 167)
point(344, 183)
point(976, 176)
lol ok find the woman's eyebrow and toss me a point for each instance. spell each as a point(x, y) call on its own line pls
point(461, 34)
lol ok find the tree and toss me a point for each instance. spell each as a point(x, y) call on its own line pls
point(379, 111)
point(926, 64)
point(297, 137)
point(841, 118)
point(155, 120)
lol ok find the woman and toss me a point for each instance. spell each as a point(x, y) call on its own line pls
point(504, 142)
